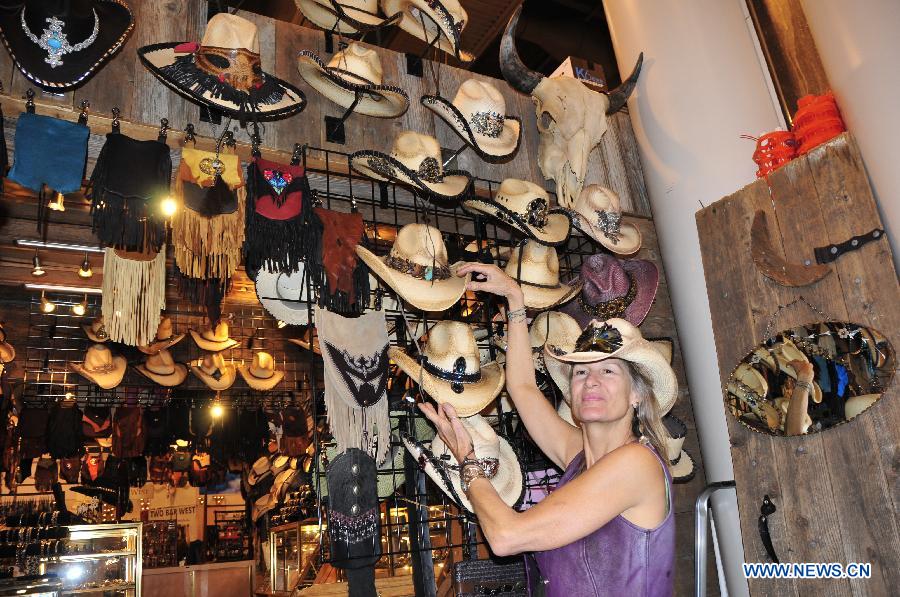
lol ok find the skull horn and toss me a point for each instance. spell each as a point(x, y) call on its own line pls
point(519, 76)
point(619, 95)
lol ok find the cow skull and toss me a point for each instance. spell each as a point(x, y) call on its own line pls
point(571, 117)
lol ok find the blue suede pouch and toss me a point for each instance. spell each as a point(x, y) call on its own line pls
point(49, 151)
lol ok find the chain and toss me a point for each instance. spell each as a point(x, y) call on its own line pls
point(799, 299)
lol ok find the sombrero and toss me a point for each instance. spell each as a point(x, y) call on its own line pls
point(214, 372)
point(535, 267)
point(284, 295)
point(101, 367)
point(260, 374)
point(214, 340)
point(347, 17)
point(526, 207)
point(163, 369)
point(597, 213)
point(430, 20)
point(165, 338)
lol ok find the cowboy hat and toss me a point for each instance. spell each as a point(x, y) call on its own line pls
point(263, 505)
point(526, 207)
point(165, 338)
point(7, 351)
point(284, 295)
point(623, 288)
point(436, 22)
point(347, 17)
point(95, 330)
point(597, 213)
point(223, 71)
point(260, 469)
point(785, 352)
point(101, 367)
point(619, 339)
point(59, 44)
point(417, 269)
point(261, 374)
point(761, 354)
point(353, 77)
point(415, 160)
point(162, 369)
point(681, 465)
point(281, 463)
point(507, 477)
point(857, 404)
point(551, 327)
point(536, 269)
point(478, 115)
point(214, 340)
point(304, 340)
point(450, 370)
point(214, 372)
point(751, 378)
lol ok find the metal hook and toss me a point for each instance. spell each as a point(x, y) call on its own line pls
point(189, 134)
point(83, 117)
point(228, 139)
point(115, 123)
point(29, 100)
point(297, 155)
point(163, 130)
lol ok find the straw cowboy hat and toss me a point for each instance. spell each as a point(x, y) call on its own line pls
point(536, 269)
point(284, 296)
point(761, 354)
point(598, 214)
point(224, 71)
point(785, 352)
point(857, 404)
point(526, 207)
point(496, 453)
point(95, 330)
point(303, 341)
point(165, 338)
point(614, 287)
point(101, 367)
point(417, 268)
point(59, 45)
point(214, 340)
point(214, 372)
point(354, 75)
point(619, 339)
point(450, 370)
point(415, 160)
point(347, 17)
point(163, 369)
point(7, 351)
point(260, 374)
point(478, 115)
point(681, 465)
point(261, 468)
point(430, 20)
point(750, 388)
point(550, 327)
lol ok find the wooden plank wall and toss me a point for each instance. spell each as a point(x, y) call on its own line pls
point(837, 492)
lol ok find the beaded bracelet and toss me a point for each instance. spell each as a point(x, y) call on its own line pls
point(516, 316)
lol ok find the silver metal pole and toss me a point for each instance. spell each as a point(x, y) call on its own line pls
point(701, 509)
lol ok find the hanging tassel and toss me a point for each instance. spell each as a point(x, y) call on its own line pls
point(134, 295)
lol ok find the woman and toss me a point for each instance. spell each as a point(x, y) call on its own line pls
point(608, 528)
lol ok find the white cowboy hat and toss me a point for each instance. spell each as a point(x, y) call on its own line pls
point(95, 330)
point(417, 268)
point(163, 369)
point(215, 372)
point(415, 160)
point(347, 17)
point(450, 370)
point(478, 115)
point(165, 338)
point(260, 469)
point(857, 404)
point(535, 267)
point(430, 20)
point(526, 207)
point(598, 214)
point(507, 479)
point(551, 327)
point(260, 374)
point(214, 340)
point(353, 75)
point(7, 351)
point(101, 367)
point(284, 295)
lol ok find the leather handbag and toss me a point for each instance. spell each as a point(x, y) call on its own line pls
point(473, 578)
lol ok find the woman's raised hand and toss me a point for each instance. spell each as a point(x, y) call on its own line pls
point(490, 278)
point(449, 428)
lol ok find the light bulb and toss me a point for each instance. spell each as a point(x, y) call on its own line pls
point(38, 269)
point(57, 204)
point(85, 270)
point(281, 324)
point(217, 411)
point(47, 306)
point(168, 206)
point(80, 308)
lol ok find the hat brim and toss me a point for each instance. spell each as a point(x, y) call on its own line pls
point(449, 38)
point(177, 70)
point(434, 295)
point(257, 383)
point(7, 352)
point(491, 149)
point(629, 241)
point(175, 378)
point(354, 21)
point(212, 345)
point(555, 233)
point(452, 186)
point(474, 397)
point(380, 101)
point(286, 309)
point(646, 277)
point(116, 23)
point(158, 345)
point(219, 385)
point(107, 381)
point(90, 334)
point(542, 299)
point(683, 470)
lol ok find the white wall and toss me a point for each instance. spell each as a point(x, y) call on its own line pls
point(702, 86)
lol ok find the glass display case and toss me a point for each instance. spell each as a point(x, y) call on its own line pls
point(103, 559)
point(294, 555)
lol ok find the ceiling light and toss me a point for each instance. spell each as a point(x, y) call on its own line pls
point(47, 306)
point(217, 411)
point(168, 206)
point(37, 270)
point(80, 308)
point(85, 270)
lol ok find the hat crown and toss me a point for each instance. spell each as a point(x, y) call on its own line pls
point(263, 365)
point(367, 5)
point(164, 331)
point(539, 264)
point(161, 363)
point(219, 334)
point(97, 325)
point(449, 341)
point(225, 30)
point(555, 328)
point(516, 195)
point(212, 363)
point(629, 332)
point(604, 278)
point(412, 148)
point(420, 244)
point(479, 96)
point(485, 440)
point(361, 61)
point(98, 359)
point(594, 198)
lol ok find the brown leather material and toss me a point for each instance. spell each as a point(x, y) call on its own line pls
point(128, 432)
point(340, 235)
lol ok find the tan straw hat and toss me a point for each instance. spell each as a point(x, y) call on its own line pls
point(478, 115)
point(499, 460)
point(415, 160)
point(95, 330)
point(598, 214)
point(7, 351)
point(526, 207)
point(857, 404)
point(163, 369)
point(785, 352)
point(353, 75)
point(430, 20)
point(165, 338)
point(681, 465)
point(347, 17)
point(450, 369)
point(214, 340)
point(101, 367)
point(536, 268)
point(417, 268)
point(261, 374)
point(214, 372)
point(551, 327)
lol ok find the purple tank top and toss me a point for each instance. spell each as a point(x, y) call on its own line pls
point(617, 559)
